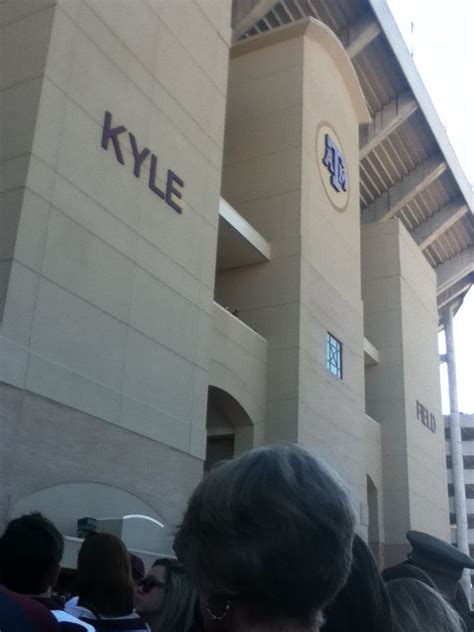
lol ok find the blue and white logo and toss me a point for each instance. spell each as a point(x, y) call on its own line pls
point(334, 161)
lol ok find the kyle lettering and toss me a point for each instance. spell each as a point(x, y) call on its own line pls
point(174, 184)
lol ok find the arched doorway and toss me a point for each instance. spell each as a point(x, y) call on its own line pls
point(229, 427)
point(374, 526)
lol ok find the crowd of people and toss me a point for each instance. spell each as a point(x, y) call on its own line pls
point(268, 543)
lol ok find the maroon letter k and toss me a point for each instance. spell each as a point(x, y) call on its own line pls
point(111, 133)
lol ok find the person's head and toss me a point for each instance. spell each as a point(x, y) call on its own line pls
point(420, 608)
point(406, 570)
point(164, 599)
point(363, 599)
point(267, 539)
point(31, 549)
point(137, 568)
point(104, 581)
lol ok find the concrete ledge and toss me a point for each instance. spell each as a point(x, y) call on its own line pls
point(238, 242)
point(371, 354)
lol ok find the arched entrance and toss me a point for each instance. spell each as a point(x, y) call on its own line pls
point(229, 428)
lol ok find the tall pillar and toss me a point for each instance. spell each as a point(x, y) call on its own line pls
point(462, 540)
point(403, 390)
point(282, 130)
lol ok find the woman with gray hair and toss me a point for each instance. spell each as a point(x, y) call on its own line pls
point(420, 608)
point(267, 540)
point(165, 598)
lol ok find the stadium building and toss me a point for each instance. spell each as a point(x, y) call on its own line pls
point(467, 434)
point(224, 224)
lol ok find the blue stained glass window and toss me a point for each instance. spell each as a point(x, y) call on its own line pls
point(334, 356)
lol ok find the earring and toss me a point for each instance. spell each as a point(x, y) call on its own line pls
point(218, 617)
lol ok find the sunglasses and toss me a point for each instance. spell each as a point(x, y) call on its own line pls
point(149, 583)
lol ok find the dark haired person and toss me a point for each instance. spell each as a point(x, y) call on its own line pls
point(266, 539)
point(165, 599)
point(104, 585)
point(21, 614)
point(31, 549)
point(363, 603)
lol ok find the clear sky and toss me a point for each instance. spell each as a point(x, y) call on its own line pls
point(442, 43)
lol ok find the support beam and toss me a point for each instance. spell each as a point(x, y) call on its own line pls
point(361, 33)
point(427, 232)
point(455, 269)
point(238, 243)
point(398, 196)
point(245, 13)
point(452, 293)
point(386, 121)
point(371, 354)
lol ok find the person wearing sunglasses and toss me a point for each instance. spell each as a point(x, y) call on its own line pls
point(164, 598)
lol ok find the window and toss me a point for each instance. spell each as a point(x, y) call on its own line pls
point(334, 356)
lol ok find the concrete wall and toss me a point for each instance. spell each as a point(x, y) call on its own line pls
point(48, 445)
point(373, 518)
point(25, 31)
point(261, 180)
point(399, 293)
point(311, 285)
point(109, 303)
point(238, 367)
point(331, 417)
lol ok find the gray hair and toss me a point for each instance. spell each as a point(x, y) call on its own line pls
point(179, 599)
point(420, 608)
point(270, 531)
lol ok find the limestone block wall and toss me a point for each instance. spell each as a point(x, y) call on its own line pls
point(238, 366)
point(373, 520)
point(332, 409)
point(54, 459)
point(282, 87)
point(261, 180)
point(113, 169)
point(400, 318)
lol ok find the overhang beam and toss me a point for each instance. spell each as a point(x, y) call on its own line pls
point(398, 196)
point(455, 291)
point(371, 354)
point(386, 121)
point(361, 34)
point(427, 232)
point(238, 243)
point(455, 269)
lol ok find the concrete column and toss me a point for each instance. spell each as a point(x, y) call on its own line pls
point(456, 450)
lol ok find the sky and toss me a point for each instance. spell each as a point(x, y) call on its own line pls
point(440, 36)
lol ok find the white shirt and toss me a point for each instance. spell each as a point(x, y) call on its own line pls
point(61, 615)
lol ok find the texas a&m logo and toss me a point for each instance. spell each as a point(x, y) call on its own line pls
point(334, 161)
